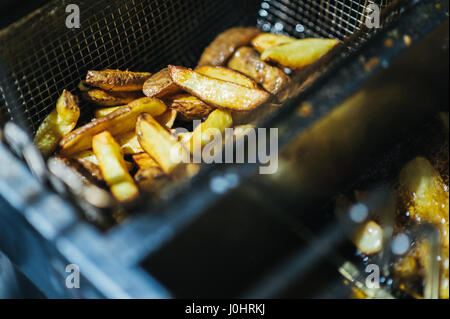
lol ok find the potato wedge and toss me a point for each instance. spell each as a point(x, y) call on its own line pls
point(189, 107)
point(267, 40)
point(160, 85)
point(299, 54)
point(223, 47)
point(116, 80)
point(159, 143)
point(104, 98)
point(58, 124)
point(89, 162)
point(271, 78)
point(222, 73)
point(129, 143)
point(167, 119)
point(202, 135)
point(217, 92)
point(120, 121)
point(113, 167)
point(144, 161)
point(105, 111)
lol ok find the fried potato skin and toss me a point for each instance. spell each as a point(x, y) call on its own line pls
point(246, 60)
point(219, 120)
point(218, 93)
point(267, 40)
point(225, 74)
point(105, 111)
point(226, 43)
point(129, 143)
point(167, 119)
point(113, 167)
point(159, 143)
point(116, 80)
point(105, 98)
point(189, 107)
point(160, 85)
point(144, 161)
point(299, 54)
point(58, 123)
point(120, 121)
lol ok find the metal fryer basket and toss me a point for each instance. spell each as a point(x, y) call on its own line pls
point(43, 56)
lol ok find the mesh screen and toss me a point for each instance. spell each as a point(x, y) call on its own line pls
point(42, 56)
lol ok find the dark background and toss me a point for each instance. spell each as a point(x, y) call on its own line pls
point(12, 10)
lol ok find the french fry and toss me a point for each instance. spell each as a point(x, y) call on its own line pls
point(116, 80)
point(104, 98)
point(129, 143)
point(265, 41)
point(105, 111)
point(216, 92)
point(120, 121)
point(220, 50)
point(113, 167)
point(160, 85)
point(159, 143)
point(167, 119)
point(271, 78)
point(144, 161)
point(299, 54)
point(189, 107)
point(219, 119)
point(222, 73)
point(58, 124)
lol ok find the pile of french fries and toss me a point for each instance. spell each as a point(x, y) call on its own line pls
point(130, 144)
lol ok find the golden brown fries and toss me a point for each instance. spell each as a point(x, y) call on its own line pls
point(159, 143)
point(144, 161)
point(221, 49)
point(247, 61)
point(189, 107)
point(58, 124)
point(267, 40)
point(104, 98)
point(113, 167)
point(167, 119)
point(129, 143)
point(160, 85)
point(116, 80)
point(203, 134)
point(216, 92)
point(300, 53)
point(105, 111)
point(120, 121)
point(222, 73)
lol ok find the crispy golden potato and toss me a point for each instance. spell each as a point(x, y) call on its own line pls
point(223, 47)
point(222, 73)
point(104, 98)
point(105, 111)
point(189, 107)
point(144, 161)
point(265, 41)
point(116, 80)
point(89, 162)
point(167, 119)
point(120, 121)
point(271, 78)
point(217, 92)
point(129, 143)
point(159, 143)
point(300, 53)
point(58, 124)
point(203, 134)
point(113, 167)
point(160, 85)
